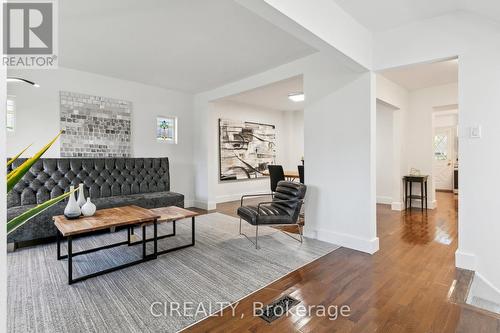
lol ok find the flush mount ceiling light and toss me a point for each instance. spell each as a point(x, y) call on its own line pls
point(297, 97)
point(19, 79)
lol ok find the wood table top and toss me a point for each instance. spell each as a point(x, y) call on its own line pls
point(288, 174)
point(104, 219)
point(172, 213)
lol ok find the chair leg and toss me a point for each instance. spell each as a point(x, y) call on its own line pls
point(256, 235)
point(240, 225)
point(300, 233)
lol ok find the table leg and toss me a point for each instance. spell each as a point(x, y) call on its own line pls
point(173, 234)
point(128, 236)
point(411, 194)
point(155, 236)
point(406, 194)
point(192, 230)
point(58, 236)
point(70, 260)
point(143, 242)
point(422, 196)
point(425, 195)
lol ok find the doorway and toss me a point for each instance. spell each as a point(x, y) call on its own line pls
point(445, 144)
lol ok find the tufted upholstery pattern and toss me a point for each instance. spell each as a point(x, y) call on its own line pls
point(277, 212)
point(109, 181)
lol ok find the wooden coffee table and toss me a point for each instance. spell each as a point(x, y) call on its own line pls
point(126, 216)
point(173, 214)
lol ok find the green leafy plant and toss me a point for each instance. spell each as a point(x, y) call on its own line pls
point(17, 174)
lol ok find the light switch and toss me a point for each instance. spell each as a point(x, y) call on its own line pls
point(475, 132)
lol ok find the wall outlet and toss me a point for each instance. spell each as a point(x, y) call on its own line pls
point(475, 132)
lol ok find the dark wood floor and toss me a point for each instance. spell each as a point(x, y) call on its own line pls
point(404, 287)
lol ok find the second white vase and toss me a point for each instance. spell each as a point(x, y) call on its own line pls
point(81, 196)
point(89, 208)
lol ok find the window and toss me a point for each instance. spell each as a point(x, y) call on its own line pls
point(166, 129)
point(441, 147)
point(11, 113)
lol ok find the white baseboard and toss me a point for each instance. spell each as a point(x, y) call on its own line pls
point(234, 197)
point(384, 200)
point(397, 206)
point(353, 242)
point(210, 205)
point(465, 260)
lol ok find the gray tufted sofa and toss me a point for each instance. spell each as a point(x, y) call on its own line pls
point(111, 182)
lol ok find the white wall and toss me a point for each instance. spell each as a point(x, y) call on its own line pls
point(38, 117)
point(479, 230)
point(294, 144)
point(397, 98)
point(328, 21)
point(339, 141)
point(287, 147)
point(419, 133)
point(385, 151)
point(435, 38)
point(474, 39)
point(340, 168)
point(445, 120)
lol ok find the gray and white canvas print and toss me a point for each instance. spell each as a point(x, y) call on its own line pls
point(245, 149)
point(94, 126)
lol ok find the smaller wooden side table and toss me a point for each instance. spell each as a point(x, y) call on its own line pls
point(408, 182)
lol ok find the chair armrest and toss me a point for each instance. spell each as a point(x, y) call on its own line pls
point(255, 195)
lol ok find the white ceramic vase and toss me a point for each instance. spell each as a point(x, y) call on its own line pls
point(72, 210)
point(81, 196)
point(88, 209)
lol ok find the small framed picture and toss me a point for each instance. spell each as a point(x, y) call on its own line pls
point(166, 129)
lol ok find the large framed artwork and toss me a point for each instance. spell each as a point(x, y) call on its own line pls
point(94, 126)
point(245, 149)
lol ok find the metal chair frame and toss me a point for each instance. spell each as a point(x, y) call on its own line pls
point(300, 240)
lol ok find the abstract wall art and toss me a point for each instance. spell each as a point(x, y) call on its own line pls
point(245, 149)
point(94, 126)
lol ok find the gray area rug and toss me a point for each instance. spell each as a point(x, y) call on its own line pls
point(222, 267)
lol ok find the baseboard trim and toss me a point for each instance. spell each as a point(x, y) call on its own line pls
point(384, 200)
point(352, 242)
point(235, 197)
point(465, 260)
point(207, 205)
point(397, 206)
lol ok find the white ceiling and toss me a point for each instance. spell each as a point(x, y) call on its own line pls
point(188, 45)
point(424, 75)
point(382, 15)
point(273, 96)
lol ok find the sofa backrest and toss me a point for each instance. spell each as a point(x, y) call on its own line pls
point(102, 177)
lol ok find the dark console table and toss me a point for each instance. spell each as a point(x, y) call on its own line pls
point(408, 181)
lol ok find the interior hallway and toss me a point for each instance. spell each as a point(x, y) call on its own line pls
point(407, 286)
